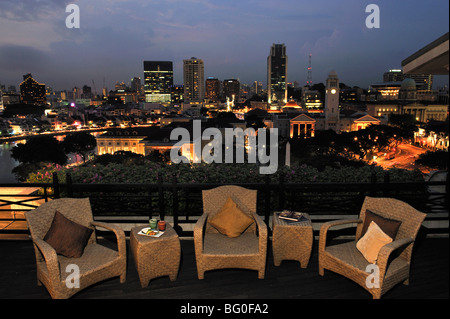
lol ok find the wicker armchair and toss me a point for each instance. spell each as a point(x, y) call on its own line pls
point(97, 262)
point(394, 259)
point(216, 251)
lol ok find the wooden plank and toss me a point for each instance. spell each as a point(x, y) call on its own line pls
point(429, 279)
point(13, 225)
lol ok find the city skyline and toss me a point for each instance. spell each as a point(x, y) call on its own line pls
point(233, 39)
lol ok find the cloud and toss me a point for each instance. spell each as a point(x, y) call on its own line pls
point(26, 10)
point(18, 57)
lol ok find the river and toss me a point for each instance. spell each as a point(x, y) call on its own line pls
point(7, 163)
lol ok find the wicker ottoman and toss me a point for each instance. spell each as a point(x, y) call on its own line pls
point(155, 256)
point(291, 241)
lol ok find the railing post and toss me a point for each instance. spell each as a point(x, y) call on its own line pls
point(281, 197)
point(160, 196)
point(373, 182)
point(267, 199)
point(387, 180)
point(177, 227)
point(69, 185)
point(45, 194)
point(446, 192)
point(56, 190)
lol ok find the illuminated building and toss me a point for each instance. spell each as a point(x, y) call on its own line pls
point(386, 91)
point(424, 113)
point(76, 93)
point(257, 87)
point(212, 89)
point(311, 99)
point(277, 63)
point(177, 92)
point(231, 89)
point(302, 126)
point(31, 91)
point(393, 75)
point(423, 81)
point(158, 80)
point(136, 84)
point(383, 110)
point(126, 96)
point(332, 102)
point(194, 80)
point(139, 140)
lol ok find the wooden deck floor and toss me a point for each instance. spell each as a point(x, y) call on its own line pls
point(429, 279)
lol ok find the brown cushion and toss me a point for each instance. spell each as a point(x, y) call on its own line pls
point(231, 221)
point(67, 237)
point(388, 226)
point(372, 242)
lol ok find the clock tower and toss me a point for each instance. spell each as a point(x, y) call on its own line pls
point(332, 102)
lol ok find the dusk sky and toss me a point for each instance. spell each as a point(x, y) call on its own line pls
point(233, 37)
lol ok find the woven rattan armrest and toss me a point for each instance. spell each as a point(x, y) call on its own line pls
point(327, 225)
point(50, 257)
point(387, 250)
point(198, 233)
point(120, 235)
point(262, 230)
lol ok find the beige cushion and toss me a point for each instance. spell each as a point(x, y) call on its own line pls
point(370, 244)
point(231, 221)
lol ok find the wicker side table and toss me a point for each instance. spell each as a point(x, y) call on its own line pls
point(291, 241)
point(155, 256)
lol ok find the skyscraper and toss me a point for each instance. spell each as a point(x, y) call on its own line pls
point(231, 89)
point(136, 84)
point(87, 92)
point(31, 91)
point(212, 89)
point(158, 80)
point(194, 80)
point(277, 63)
point(393, 75)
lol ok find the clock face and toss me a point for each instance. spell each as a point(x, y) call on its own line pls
point(333, 91)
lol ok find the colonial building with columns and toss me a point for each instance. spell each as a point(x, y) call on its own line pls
point(304, 123)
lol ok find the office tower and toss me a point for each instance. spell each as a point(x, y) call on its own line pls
point(177, 92)
point(31, 91)
point(332, 102)
point(158, 79)
point(194, 80)
point(231, 89)
point(136, 84)
point(311, 99)
point(423, 81)
point(212, 89)
point(87, 92)
point(277, 64)
point(76, 93)
point(257, 87)
point(393, 75)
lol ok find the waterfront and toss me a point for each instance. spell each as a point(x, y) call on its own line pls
point(7, 163)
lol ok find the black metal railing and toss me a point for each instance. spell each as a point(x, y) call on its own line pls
point(183, 202)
